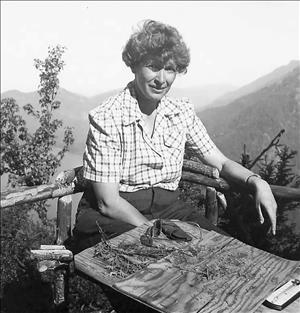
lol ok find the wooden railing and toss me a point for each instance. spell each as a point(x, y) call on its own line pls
point(71, 181)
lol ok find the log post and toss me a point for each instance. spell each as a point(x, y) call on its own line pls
point(222, 203)
point(60, 300)
point(211, 205)
point(63, 223)
point(53, 265)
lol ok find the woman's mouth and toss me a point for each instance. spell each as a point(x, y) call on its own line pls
point(157, 89)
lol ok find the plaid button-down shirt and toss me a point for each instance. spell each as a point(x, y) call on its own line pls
point(119, 150)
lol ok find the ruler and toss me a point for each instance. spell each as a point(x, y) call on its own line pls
point(284, 295)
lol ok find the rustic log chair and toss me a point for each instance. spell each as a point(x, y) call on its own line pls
point(55, 262)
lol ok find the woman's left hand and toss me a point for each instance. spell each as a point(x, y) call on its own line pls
point(234, 172)
point(264, 199)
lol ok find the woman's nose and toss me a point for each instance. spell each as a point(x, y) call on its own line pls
point(160, 77)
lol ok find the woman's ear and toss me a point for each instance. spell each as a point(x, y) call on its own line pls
point(133, 69)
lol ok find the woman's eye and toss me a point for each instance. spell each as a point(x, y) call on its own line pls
point(170, 69)
point(153, 67)
point(157, 68)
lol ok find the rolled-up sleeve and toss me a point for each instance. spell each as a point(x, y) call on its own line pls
point(102, 156)
point(197, 137)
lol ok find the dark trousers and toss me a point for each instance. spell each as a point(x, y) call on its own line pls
point(153, 203)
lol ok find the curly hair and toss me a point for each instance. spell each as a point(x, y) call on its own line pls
point(155, 40)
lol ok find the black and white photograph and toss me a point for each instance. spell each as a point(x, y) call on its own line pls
point(150, 156)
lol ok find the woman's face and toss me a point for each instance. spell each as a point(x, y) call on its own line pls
point(154, 79)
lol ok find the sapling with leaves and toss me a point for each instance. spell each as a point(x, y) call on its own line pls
point(29, 159)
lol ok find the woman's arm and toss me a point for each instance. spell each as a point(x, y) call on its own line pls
point(234, 172)
point(111, 204)
point(102, 161)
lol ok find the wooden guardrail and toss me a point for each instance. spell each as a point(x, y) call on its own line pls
point(71, 182)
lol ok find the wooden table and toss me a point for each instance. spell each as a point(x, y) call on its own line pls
point(224, 275)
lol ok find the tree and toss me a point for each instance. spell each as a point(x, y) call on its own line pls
point(30, 159)
point(241, 219)
point(279, 171)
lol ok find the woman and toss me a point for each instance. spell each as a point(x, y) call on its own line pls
point(135, 146)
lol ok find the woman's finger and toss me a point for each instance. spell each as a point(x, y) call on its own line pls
point(273, 220)
point(261, 218)
point(271, 210)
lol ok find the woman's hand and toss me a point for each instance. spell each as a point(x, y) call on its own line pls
point(236, 173)
point(264, 199)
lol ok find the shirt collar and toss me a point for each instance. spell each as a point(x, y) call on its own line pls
point(132, 113)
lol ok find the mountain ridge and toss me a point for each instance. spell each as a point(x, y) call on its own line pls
point(261, 82)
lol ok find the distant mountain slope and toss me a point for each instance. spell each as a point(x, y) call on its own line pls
point(257, 84)
point(256, 118)
point(201, 96)
point(73, 105)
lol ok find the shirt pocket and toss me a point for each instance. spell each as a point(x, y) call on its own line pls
point(174, 140)
point(174, 134)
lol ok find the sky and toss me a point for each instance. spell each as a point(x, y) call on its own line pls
point(231, 42)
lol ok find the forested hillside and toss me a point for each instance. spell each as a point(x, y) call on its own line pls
point(256, 118)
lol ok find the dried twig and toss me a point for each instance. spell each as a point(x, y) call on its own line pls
point(273, 143)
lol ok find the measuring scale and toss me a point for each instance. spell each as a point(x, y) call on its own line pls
point(284, 295)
